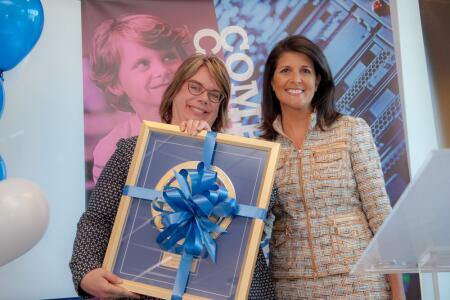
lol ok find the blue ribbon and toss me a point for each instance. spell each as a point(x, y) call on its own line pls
point(209, 146)
point(192, 205)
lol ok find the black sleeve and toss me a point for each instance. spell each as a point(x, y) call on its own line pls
point(95, 225)
point(262, 285)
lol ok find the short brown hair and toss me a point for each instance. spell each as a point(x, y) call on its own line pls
point(189, 68)
point(147, 30)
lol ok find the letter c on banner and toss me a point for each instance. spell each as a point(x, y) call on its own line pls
point(238, 30)
point(240, 57)
point(207, 33)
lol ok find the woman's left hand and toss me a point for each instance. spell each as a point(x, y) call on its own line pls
point(193, 127)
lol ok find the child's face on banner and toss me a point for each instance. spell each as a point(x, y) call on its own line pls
point(145, 73)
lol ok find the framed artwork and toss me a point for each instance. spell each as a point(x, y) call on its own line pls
point(225, 210)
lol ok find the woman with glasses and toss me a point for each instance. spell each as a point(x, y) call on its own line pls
point(196, 99)
point(198, 96)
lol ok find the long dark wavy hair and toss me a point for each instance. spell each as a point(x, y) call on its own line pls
point(323, 102)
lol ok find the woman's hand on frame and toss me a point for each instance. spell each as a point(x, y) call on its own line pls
point(193, 127)
point(105, 285)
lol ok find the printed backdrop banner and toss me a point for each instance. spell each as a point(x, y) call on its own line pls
point(131, 49)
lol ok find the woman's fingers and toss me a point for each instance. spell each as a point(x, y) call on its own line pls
point(189, 126)
point(104, 285)
point(183, 126)
point(112, 278)
point(203, 125)
point(193, 127)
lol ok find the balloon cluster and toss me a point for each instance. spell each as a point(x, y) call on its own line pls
point(23, 207)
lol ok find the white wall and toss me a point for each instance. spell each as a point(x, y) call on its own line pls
point(41, 139)
point(418, 105)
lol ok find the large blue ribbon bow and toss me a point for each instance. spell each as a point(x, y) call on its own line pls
point(192, 205)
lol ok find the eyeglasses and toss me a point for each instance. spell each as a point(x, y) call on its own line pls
point(196, 89)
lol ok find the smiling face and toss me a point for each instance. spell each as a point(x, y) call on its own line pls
point(144, 73)
point(186, 106)
point(295, 81)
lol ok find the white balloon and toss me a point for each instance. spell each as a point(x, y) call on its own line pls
point(24, 217)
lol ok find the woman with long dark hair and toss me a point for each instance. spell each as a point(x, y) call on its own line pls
point(330, 192)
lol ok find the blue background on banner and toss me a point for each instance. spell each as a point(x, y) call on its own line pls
point(359, 47)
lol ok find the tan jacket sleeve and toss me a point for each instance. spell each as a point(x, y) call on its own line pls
point(369, 175)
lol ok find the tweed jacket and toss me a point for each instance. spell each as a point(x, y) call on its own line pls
point(95, 226)
point(331, 200)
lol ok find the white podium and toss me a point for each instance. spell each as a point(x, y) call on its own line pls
point(415, 237)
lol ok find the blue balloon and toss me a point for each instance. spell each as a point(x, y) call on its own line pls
point(2, 96)
point(2, 169)
point(21, 23)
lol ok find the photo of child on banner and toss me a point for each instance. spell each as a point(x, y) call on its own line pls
point(133, 60)
point(130, 54)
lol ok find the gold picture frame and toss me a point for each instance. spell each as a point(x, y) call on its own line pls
point(132, 255)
